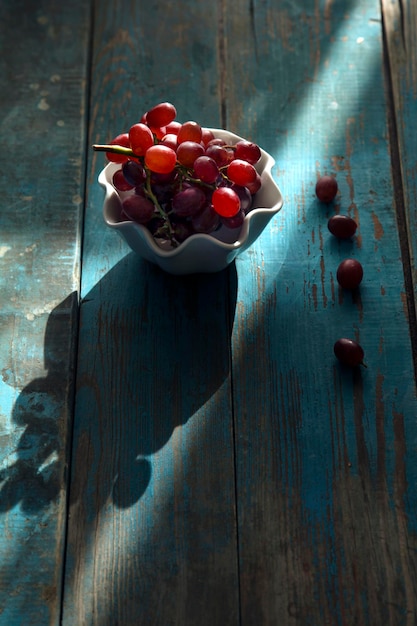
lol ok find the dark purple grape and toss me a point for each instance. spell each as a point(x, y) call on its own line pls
point(120, 182)
point(134, 173)
point(206, 169)
point(349, 352)
point(349, 274)
point(189, 201)
point(163, 193)
point(342, 226)
point(216, 142)
point(326, 188)
point(156, 226)
point(256, 185)
point(188, 152)
point(235, 221)
point(138, 209)
point(245, 197)
point(182, 230)
point(206, 221)
point(218, 153)
point(247, 151)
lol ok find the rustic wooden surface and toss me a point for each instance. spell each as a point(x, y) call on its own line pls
point(186, 450)
point(44, 65)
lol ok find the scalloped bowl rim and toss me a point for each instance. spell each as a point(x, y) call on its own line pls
point(267, 161)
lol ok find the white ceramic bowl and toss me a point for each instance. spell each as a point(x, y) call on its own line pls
point(200, 252)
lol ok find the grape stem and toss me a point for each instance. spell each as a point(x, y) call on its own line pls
point(115, 149)
point(200, 182)
point(162, 213)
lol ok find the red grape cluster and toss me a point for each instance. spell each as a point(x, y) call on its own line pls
point(349, 272)
point(178, 179)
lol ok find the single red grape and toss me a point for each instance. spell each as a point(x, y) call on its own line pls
point(247, 151)
point(349, 352)
point(349, 274)
point(120, 182)
point(173, 127)
point(141, 138)
point(219, 154)
point(189, 201)
point(161, 114)
point(206, 169)
point(234, 222)
point(170, 140)
point(134, 172)
point(342, 226)
point(206, 135)
point(216, 142)
point(326, 188)
point(190, 131)
point(255, 185)
point(241, 172)
point(188, 152)
point(160, 159)
point(244, 197)
point(206, 221)
point(225, 202)
point(138, 208)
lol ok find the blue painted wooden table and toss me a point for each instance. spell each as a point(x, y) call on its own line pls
point(187, 450)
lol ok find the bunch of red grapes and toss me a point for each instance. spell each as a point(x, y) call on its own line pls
point(179, 179)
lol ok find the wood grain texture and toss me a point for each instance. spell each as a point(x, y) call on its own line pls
point(325, 457)
point(43, 64)
point(400, 30)
point(152, 529)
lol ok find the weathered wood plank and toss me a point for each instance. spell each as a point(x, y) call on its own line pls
point(43, 64)
point(152, 535)
point(400, 29)
point(326, 458)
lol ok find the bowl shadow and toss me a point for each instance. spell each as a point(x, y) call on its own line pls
point(154, 348)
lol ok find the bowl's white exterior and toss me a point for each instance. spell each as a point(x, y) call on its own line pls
point(200, 252)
